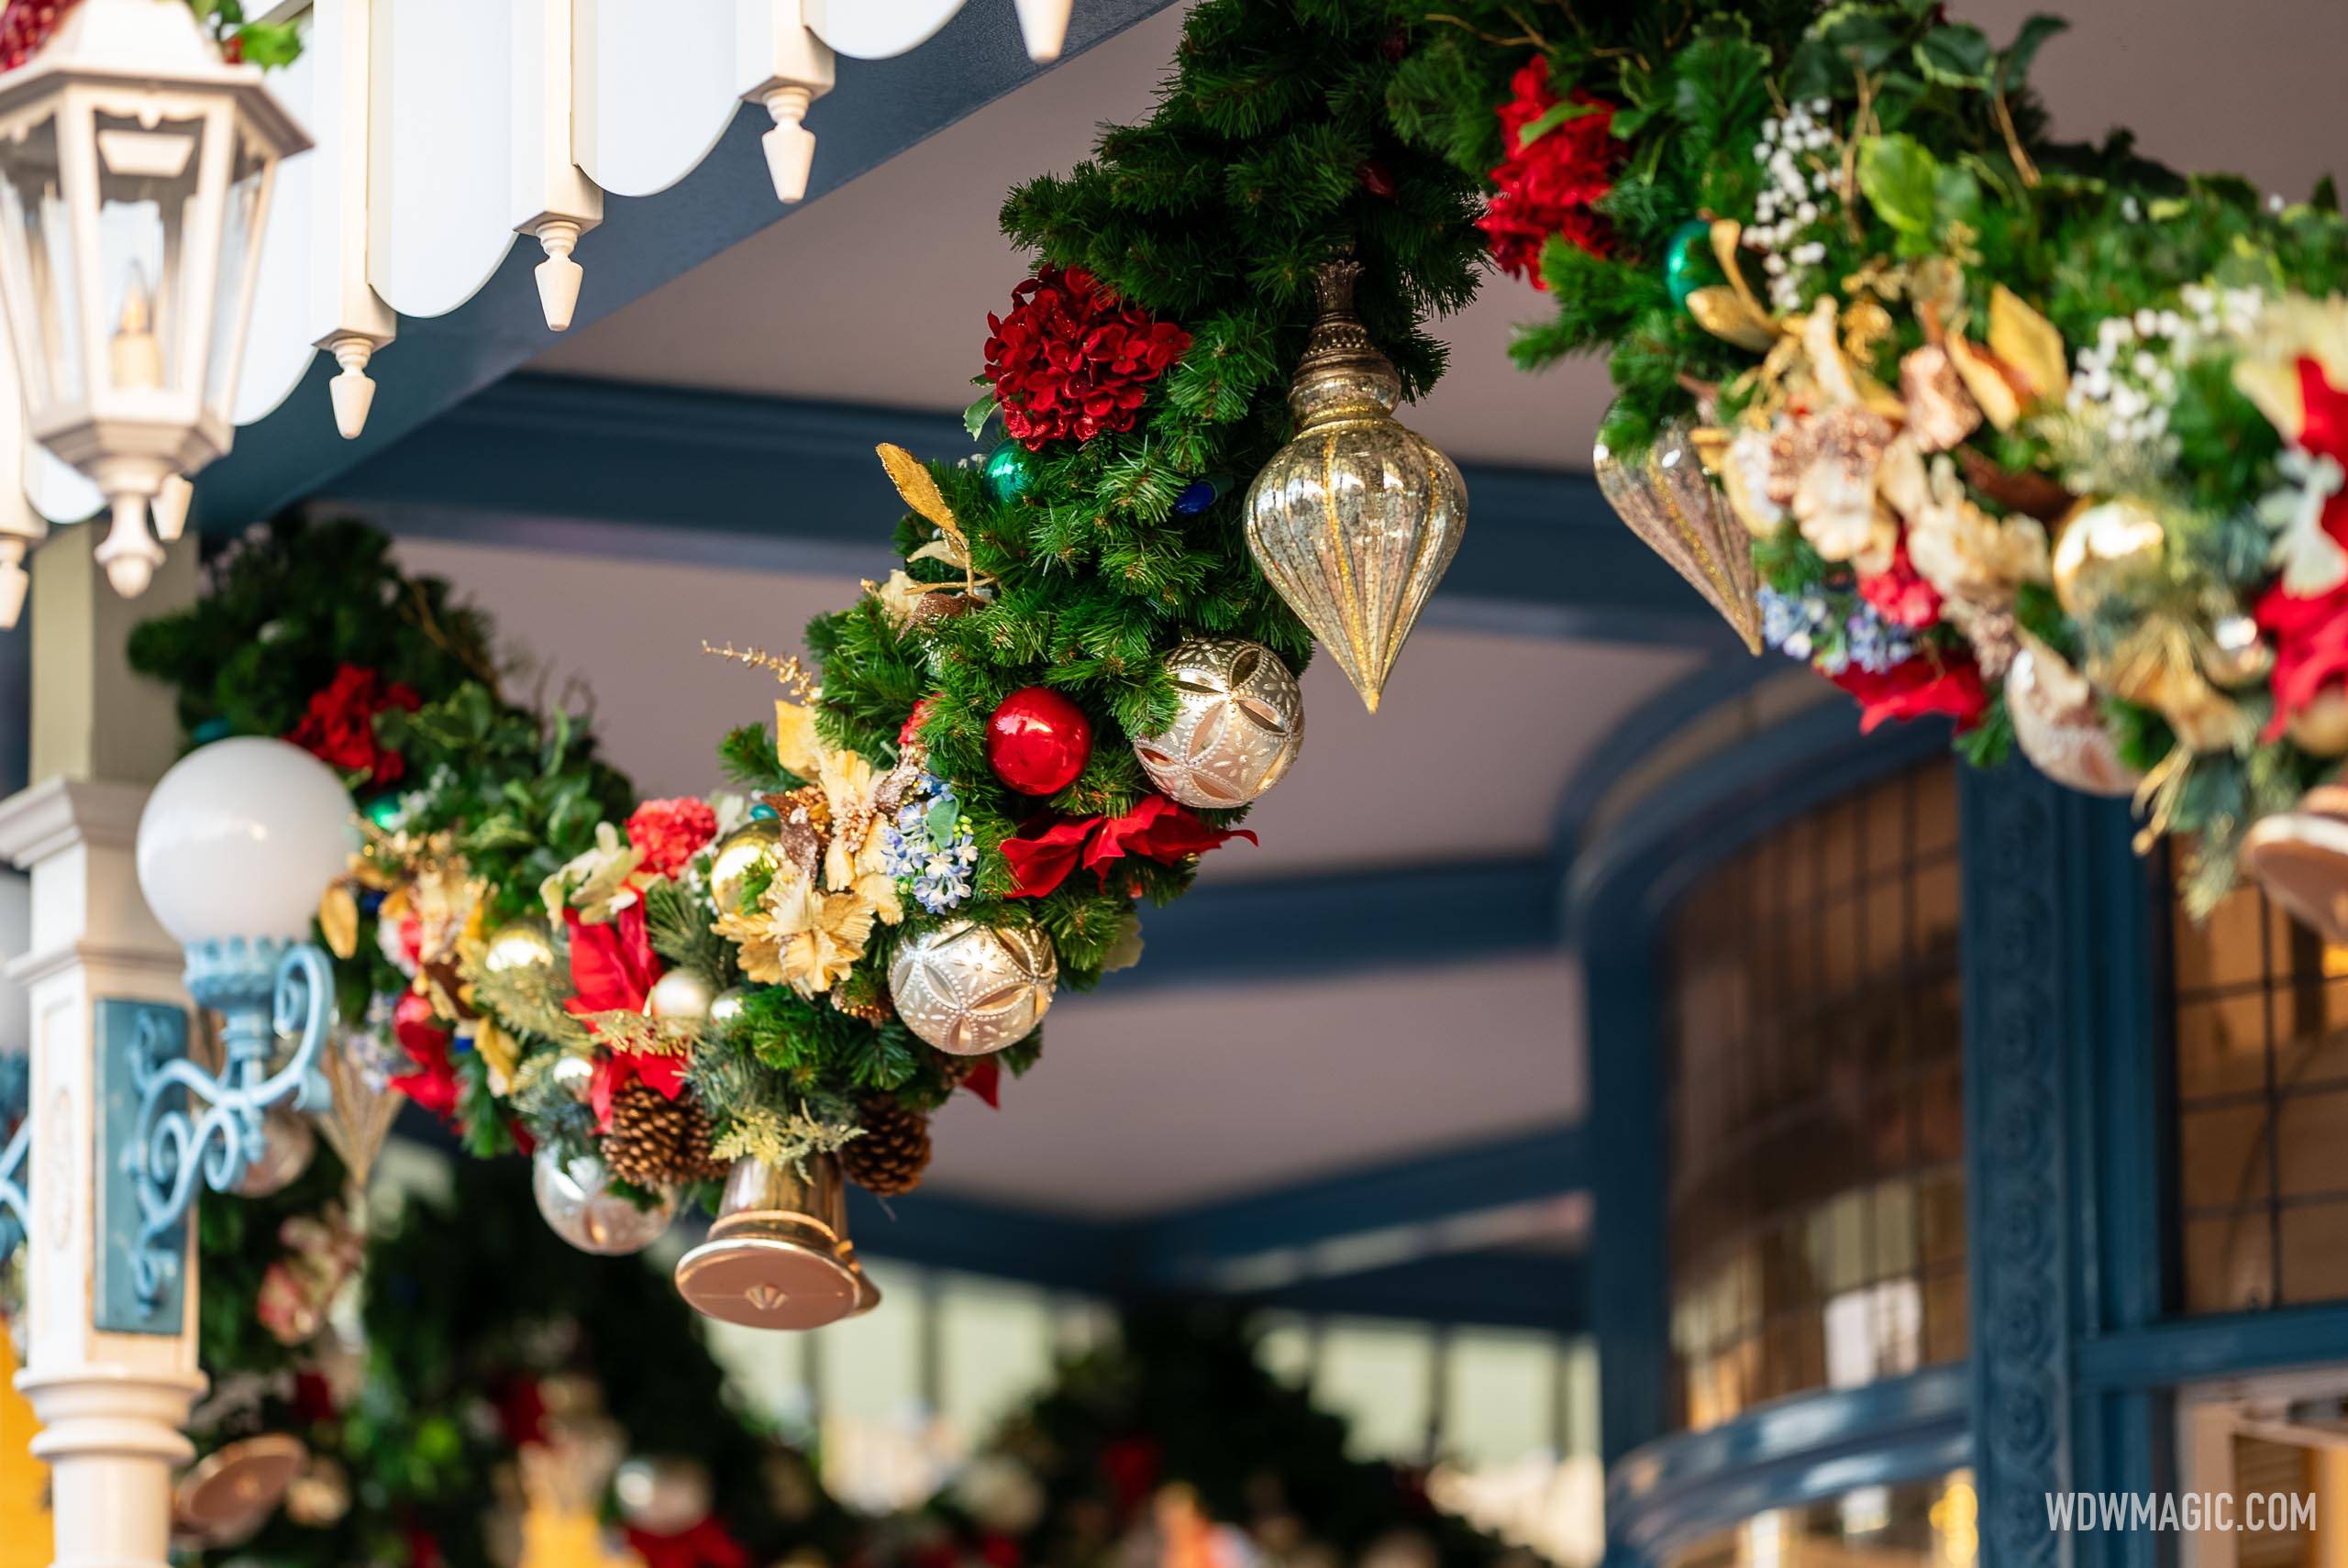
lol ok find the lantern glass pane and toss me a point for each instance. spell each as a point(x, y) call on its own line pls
point(37, 249)
point(148, 184)
point(240, 227)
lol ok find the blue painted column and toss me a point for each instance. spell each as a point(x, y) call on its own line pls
point(2059, 1059)
point(1629, 1308)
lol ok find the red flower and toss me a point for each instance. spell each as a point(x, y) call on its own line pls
point(24, 26)
point(705, 1545)
point(671, 833)
point(1158, 829)
point(1917, 687)
point(339, 726)
point(1900, 595)
point(613, 967)
point(2312, 634)
point(432, 1082)
point(1072, 360)
point(1548, 185)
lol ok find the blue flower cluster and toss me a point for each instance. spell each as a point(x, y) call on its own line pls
point(1832, 631)
point(930, 848)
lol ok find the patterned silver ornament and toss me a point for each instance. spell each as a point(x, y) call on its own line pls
point(1238, 727)
point(1354, 522)
point(970, 988)
point(577, 1201)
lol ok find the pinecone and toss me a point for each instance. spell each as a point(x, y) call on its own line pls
point(892, 1153)
point(658, 1141)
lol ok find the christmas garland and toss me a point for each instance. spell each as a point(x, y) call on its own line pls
point(1172, 1444)
point(25, 25)
point(2045, 438)
point(496, 1369)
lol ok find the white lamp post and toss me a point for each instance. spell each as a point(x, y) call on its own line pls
point(135, 174)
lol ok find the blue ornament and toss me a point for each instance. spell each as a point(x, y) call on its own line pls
point(1008, 473)
point(1198, 495)
point(762, 812)
point(212, 730)
point(383, 810)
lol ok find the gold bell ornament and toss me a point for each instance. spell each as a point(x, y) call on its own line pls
point(778, 1254)
point(226, 1496)
point(1355, 519)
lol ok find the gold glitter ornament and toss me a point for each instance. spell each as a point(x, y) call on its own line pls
point(1668, 499)
point(1355, 519)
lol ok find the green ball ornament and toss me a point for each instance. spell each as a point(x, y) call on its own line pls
point(1688, 260)
point(1008, 472)
point(382, 811)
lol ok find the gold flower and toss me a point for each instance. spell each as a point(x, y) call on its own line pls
point(800, 935)
point(599, 882)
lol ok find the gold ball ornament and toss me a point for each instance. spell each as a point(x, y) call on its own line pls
point(319, 1496)
point(2110, 549)
point(2058, 724)
point(1355, 521)
point(969, 990)
point(736, 854)
point(576, 1199)
point(726, 1009)
point(2237, 654)
point(518, 948)
point(1238, 723)
point(2320, 729)
point(680, 994)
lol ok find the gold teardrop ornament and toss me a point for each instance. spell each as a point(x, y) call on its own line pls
point(1354, 520)
point(1669, 500)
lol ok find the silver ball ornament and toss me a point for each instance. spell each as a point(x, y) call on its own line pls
point(681, 994)
point(970, 988)
point(577, 1201)
point(1237, 728)
point(725, 1009)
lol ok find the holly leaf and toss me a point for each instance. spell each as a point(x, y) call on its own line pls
point(976, 417)
point(1900, 178)
point(1551, 118)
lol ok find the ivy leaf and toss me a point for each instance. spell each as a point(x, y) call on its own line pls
point(1553, 116)
point(1900, 178)
point(1957, 55)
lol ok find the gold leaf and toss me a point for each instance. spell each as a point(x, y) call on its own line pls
point(2030, 347)
point(912, 478)
point(795, 743)
point(1989, 379)
point(338, 917)
point(1729, 316)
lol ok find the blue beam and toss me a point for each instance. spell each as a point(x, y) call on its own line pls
point(1186, 1248)
point(562, 461)
point(940, 1229)
point(878, 109)
point(1542, 1291)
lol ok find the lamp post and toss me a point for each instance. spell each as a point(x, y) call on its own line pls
point(231, 850)
point(135, 173)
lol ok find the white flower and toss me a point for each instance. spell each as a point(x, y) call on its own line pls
point(2312, 561)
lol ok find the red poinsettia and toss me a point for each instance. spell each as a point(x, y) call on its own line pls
point(1915, 688)
point(1158, 829)
point(613, 967)
point(2310, 635)
point(1547, 186)
point(1899, 593)
point(339, 726)
point(671, 833)
point(1072, 359)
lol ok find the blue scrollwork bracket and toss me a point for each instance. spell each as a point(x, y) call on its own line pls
point(168, 1124)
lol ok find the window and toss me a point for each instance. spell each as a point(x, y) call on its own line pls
point(1814, 1093)
point(1916, 1524)
point(2261, 1018)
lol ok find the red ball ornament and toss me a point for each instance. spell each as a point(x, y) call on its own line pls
point(1038, 741)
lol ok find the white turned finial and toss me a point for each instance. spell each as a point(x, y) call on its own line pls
point(1043, 23)
point(170, 507)
point(557, 275)
point(129, 552)
point(791, 146)
point(14, 581)
point(352, 392)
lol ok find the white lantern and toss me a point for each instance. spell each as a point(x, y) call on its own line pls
point(135, 174)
